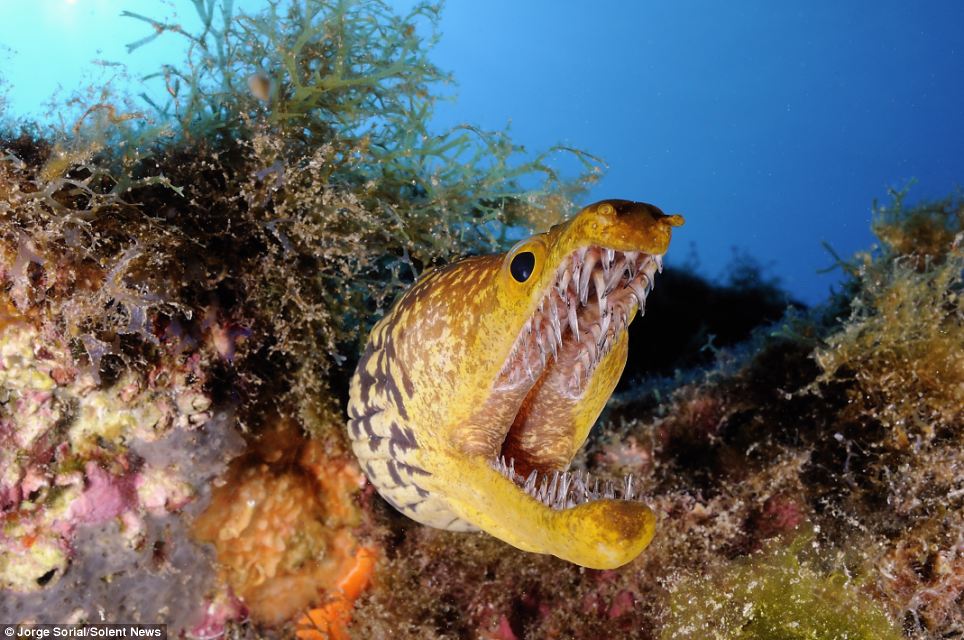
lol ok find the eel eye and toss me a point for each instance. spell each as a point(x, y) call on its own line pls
point(522, 265)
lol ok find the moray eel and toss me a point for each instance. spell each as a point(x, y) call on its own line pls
point(482, 382)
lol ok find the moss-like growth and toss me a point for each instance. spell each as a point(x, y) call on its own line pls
point(222, 255)
point(774, 596)
point(901, 346)
point(281, 199)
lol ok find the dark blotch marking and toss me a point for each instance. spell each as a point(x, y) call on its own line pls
point(403, 440)
point(393, 472)
point(365, 380)
point(366, 423)
point(413, 470)
point(391, 385)
point(421, 492)
point(374, 442)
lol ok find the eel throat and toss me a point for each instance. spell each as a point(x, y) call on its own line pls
point(481, 384)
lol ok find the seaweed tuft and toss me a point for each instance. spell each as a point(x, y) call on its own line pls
point(773, 595)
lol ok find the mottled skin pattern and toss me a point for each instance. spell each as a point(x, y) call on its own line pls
point(427, 416)
point(415, 341)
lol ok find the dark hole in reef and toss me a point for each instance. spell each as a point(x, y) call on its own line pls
point(111, 367)
point(72, 197)
point(47, 577)
point(158, 553)
point(525, 612)
point(448, 617)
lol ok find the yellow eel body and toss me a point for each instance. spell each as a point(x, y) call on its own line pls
point(480, 385)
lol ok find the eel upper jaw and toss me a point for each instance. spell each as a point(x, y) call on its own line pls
point(589, 304)
point(583, 314)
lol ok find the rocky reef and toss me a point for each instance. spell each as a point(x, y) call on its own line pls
point(186, 288)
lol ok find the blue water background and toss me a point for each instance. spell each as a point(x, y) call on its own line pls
point(771, 125)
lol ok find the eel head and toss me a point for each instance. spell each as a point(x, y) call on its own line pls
point(509, 360)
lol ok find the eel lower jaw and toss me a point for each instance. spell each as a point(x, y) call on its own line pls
point(599, 534)
point(561, 490)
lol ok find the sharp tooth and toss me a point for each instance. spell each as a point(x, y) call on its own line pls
point(628, 491)
point(563, 492)
point(639, 290)
point(578, 489)
point(596, 331)
point(552, 487)
point(592, 349)
point(658, 259)
point(564, 282)
point(610, 257)
point(606, 320)
point(530, 484)
point(631, 263)
point(650, 282)
point(610, 492)
point(633, 299)
point(586, 273)
point(573, 320)
point(599, 280)
point(615, 275)
point(581, 253)
point(512, 469)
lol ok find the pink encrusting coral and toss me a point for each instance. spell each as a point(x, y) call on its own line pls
point(66, 458)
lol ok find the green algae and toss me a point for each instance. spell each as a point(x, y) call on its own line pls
point(901, 345)
point(241, 238)
point(774, 595)
point(288, 190)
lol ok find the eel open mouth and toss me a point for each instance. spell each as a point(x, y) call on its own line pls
point(550, 375)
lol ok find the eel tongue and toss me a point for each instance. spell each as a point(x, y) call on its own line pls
point(553, 422)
